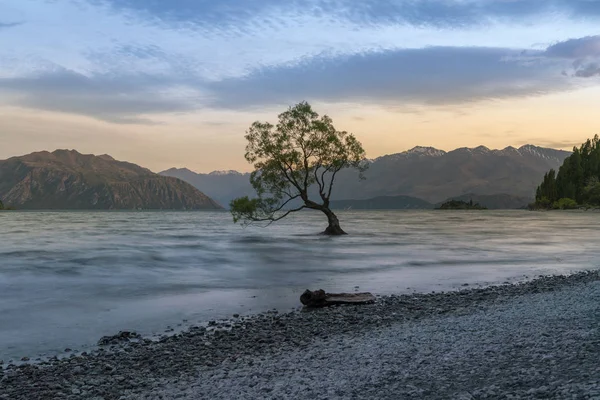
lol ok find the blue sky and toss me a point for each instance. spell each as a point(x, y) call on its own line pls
point(198, 72)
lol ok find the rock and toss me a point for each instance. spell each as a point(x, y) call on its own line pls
point(316, 298)
point(319, 298)
point(256, 352)
point(122, 336)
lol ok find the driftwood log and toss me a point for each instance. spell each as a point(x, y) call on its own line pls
point(319, 298)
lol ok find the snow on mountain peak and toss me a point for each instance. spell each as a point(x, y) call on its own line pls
point(425, 151)
point(418, 151)
point(221, 173)
point(537, 151)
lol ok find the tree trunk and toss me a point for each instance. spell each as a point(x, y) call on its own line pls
point(334, 223)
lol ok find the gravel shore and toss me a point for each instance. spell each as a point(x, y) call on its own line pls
point(538, 340)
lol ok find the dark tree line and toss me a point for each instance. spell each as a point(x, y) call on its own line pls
point(577, 181)
point(461, 205)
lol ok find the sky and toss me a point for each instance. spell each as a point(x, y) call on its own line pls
point(177, 83)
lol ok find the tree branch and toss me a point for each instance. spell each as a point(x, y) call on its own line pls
point(306, 169)
point(291, 178)
point(312, 205)
point(323, 175)
point(336, 170)
point(321, 185)
point(272, 219)
point(285, 203)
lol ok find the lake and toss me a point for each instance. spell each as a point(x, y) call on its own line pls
point(68, 278)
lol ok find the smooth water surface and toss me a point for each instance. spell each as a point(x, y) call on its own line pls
point(67, 278)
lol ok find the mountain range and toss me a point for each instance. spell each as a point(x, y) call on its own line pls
point(504, 178)
point(419, 178)
point(223, 186)
point(66, 179)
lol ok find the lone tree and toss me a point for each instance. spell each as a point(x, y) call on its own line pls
point(302, 151)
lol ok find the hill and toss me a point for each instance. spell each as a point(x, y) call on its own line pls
point(223, 186)
point(422, 172)
point(435, 175)
point(66, 179)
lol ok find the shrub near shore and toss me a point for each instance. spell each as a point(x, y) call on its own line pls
point(561, 204)
point(3, 207)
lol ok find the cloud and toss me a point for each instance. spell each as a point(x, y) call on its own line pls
point(435, 76)
point(437, 13)
point(231, 38)
point(9, 25)
point(584, 53)
point(554, 144)
point(123, 99)
point(127, 61)
point(406, 79)
point(588, 46)
point(588, 70)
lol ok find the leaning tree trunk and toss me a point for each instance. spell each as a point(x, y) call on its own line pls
point(334, 223)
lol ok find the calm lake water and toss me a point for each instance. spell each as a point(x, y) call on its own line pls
point(67, 278)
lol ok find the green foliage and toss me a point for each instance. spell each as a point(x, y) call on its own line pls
point(577, 179)
point(302, 150)
point(246, 210)
point(565, 204)
point(243, 208)
point(592, 191)
point(545, 202)
point(461, 205)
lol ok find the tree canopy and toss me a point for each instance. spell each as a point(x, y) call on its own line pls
point(301, 151)
point(578, 179)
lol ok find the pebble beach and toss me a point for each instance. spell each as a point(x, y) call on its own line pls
point(538, 339)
